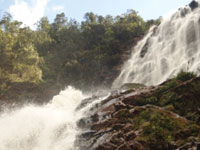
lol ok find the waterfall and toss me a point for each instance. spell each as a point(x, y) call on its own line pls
point(49, 127)
point(167, 49)
point(172, 46)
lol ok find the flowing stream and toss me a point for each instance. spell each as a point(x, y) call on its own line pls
point(167, 49)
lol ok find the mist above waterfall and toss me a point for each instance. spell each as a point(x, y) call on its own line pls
point(166, 50)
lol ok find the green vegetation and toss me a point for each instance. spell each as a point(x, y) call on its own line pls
point(184, 76)
point(158, 127)
point(161, 128)
point(19, 57)
point(165, 117)
point(64, 52)
point(179, 94)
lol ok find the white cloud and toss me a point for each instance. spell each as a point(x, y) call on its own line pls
point(58, 8)
point(28, 11)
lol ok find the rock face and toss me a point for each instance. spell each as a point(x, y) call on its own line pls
point(166, 117)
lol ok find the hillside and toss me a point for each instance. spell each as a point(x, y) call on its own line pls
point(86, 55)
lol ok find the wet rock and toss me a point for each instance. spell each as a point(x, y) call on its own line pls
point(137, 146)
point(119, 105)
point(88, 134)
point(118, 126)
point(130, 136)
point(127, 127)
point(122, 114)
point(117, 138)
point(146, 45)
point(95, 118)
point(194, 4)
point(144, 49)
point(124, 147)
point(109, 108)
point(82, 123)
point(128, 86)
point(190, 146)
point(102, 125)
point(85, 102)
point(107, 146)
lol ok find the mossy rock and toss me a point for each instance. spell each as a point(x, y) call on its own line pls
point(167, 86)
point(122, 114)
point(128, 86)
point(170, 108)
point(180, 94)
point(194, 117)
point(141, 101)
point(151, 100)
point(158, 126)
point(167, 98)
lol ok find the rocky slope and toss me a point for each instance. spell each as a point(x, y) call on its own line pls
point(136, 117)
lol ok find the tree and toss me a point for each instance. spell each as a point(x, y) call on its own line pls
point(59, 22)
point(19, 58)
point(66, 52)
point(90, 17)
point(44, 25)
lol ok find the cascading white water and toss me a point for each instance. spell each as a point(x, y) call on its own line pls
point(166, 50)
point(49, 127)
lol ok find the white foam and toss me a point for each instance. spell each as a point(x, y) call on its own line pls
point(49, 127)
point(173, 46)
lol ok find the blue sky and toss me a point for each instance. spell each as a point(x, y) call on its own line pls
point(30, 11)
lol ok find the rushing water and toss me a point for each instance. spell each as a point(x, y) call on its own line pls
point(166, 50)
point(48, 127)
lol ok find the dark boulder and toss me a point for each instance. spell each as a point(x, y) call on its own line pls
point(194, 4)
point(144, 49)
point(82, 123)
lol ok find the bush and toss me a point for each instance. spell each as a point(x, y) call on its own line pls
point(184, 76)
point(157, 127)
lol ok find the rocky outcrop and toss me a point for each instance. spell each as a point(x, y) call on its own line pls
point(145, 47)
point(166, 117)
point(194, 4)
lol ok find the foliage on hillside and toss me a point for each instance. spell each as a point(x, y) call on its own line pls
point(66, 52)
point(18, 55)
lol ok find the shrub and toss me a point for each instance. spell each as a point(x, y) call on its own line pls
point(184, 76)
